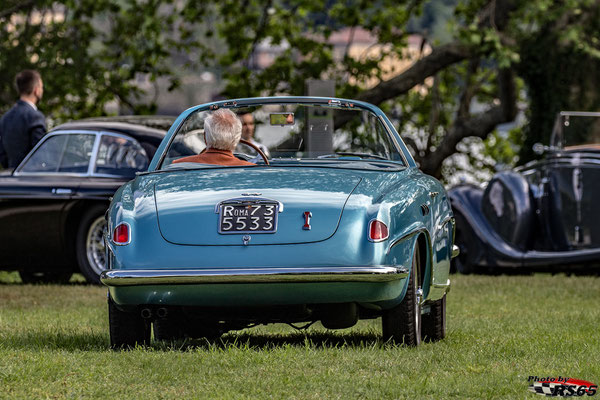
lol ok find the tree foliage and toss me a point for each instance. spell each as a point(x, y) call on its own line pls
point(89, 52)
point(497, 54)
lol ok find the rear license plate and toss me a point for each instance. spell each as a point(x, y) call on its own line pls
point(248, 217)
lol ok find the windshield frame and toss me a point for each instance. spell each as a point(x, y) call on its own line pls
point(396, 140)
point(557, 139)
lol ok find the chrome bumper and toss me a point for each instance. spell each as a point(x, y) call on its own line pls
point(124, 277)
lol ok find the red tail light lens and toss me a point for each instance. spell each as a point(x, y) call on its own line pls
point(121, 234)
point(378, 231)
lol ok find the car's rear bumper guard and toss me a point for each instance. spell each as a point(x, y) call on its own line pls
point(124, 277)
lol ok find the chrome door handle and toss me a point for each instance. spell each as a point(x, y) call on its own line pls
point(61, 191)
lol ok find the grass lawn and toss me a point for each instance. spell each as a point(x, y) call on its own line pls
point(501, 329)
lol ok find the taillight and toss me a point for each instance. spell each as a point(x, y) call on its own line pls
point(121, 234)
point(378, 231)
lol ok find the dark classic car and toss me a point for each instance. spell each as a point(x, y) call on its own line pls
point(337, 225)
point(52, 205)
point(541, 216)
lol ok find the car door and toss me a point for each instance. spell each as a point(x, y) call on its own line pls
point(33, 198)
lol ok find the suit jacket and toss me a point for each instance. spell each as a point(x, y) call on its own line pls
point(216, 157)
point(20, 129)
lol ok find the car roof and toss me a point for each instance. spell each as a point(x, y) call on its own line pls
point(144, 129)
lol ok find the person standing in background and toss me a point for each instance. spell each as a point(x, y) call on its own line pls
point(23, 125)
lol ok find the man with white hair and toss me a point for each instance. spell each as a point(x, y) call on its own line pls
point(222, 133)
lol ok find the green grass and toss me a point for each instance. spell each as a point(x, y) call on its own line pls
point(501, 329)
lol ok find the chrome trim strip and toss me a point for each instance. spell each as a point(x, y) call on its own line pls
point(399, 148)
point(443, 286)
point(409, 235)
point(580, 114)
point(124, 277)
point(94, 156)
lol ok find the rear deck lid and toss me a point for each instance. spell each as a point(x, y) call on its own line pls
point(191, 205)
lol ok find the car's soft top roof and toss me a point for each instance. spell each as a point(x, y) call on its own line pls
point(144, 129)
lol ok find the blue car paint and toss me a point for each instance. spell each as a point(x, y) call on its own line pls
point(186, 218)
point(395, 197)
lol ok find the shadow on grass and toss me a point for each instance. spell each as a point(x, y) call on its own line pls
point(314, 340)
point(244, 341)
point(55, 341)
point(12, 278)
point(19, 283)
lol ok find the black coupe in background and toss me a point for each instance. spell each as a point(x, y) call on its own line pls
point(542, 216)
point(52, 205)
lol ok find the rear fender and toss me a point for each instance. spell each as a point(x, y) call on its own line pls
point(401, 252)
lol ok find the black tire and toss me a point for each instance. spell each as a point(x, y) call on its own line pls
point(89, 244)
point(35, 278)
point(434, 323)
point(402, 324)
point(168, 330)
point(127, 329)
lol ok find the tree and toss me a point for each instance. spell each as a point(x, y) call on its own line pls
point(472, 79)
point(483, 62)
point(90, 52)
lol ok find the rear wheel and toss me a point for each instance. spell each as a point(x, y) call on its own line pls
point(91, 255)
point(127, 329)
point(402, 324)
point(434, 323)
point(45, 277)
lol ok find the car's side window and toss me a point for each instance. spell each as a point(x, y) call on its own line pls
point(120, 156)
point(62, 153)
point(77, 154)
point(47, 157)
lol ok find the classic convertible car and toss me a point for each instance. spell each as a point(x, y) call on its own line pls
point(542, 216)
point(52, 205)
point(338, 225)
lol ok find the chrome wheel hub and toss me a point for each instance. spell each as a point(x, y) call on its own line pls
point(94, 245)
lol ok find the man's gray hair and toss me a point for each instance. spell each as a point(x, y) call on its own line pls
point(223, 129)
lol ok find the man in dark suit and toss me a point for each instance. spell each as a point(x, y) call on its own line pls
point(23, 125)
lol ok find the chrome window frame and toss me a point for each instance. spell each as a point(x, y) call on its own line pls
point(93, 158)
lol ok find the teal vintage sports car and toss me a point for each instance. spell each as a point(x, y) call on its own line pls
point(337, 224)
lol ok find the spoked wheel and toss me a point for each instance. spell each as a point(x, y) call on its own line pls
point(402, 324)
point(45, 277)
point(127, 329)
point(434, 323)
point(91, 255)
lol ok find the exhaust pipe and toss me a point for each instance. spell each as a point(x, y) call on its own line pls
point(162, 312)
point(146, 313)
